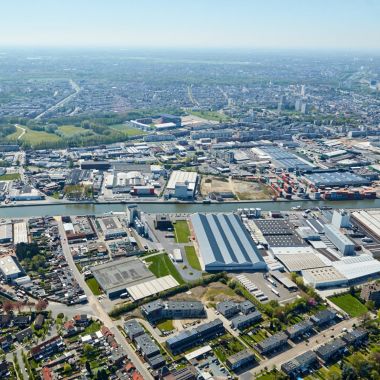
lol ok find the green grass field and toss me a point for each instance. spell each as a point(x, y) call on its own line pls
point(34, 137)
point(192, 257)
point(94, 286)
point(72, 130)
point(182, 232)
point(129, 131)
point(162, 266)
point(10, 177)
point(349, 304)
point(166, 325)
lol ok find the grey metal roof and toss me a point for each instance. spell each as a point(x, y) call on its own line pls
point(224, 241)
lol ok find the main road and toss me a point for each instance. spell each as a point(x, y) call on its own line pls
point(62, 102)
point(97, 309)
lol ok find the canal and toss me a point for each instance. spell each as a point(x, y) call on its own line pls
point(98, 209)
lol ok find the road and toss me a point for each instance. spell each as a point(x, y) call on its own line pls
point(62, 102)
point(23, 131)
point(314, 342)
point(97, 309)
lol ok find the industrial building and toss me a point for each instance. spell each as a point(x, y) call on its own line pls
point(240, 359)
point(298, 259)
point(358, 268)
point(158, 310)
point(10, 268)
point(190, 338)
point(224, 243)
point(150, 287)
point(325, 277)
point(335, 179)
point(20, 233)
point(183, 184)
point(342, 242)
point(115, 276)
point(283, 159)
point(6, 233)
point(111, 228)
point(369, 220)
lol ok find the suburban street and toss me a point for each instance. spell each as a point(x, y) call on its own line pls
point(97, 309)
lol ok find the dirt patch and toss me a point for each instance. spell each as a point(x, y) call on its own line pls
point(215, 184)
point(243, 190)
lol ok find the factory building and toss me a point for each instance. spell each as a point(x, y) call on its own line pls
point(10, 268)
point(183, 184)
point(341, 219)
point(225, 244)
point(345, 246)
point(6, 233)
point(322, 179)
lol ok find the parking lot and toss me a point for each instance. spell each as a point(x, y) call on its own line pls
point(264, 285)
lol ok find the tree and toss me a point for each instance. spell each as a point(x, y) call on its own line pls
point(102, 375)
point(88, 368)
point(8, 306)
point(348, 373)
point(41, 305)
point(67, 368)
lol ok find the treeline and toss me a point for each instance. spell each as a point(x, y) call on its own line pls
point(204, 281)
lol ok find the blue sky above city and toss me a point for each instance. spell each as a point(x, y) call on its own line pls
point(289, 24)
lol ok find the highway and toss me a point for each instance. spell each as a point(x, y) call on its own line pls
point(97, 309)
point(314, 342)
point(62, 102)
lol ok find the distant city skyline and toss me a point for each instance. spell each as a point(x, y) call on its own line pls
point(270, 24)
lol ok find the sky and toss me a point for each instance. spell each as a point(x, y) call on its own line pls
point(267, 24)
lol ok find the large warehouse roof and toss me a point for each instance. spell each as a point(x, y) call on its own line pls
point(356, 267)
point(8, 266)
point(118, 274)
point(225, 244)
point(155, 286)
point(181, 177)
point(336, 178)
point(298, 262)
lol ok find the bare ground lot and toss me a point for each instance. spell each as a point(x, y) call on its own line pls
point(242, 190)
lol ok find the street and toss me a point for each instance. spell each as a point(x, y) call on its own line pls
point(97, 309)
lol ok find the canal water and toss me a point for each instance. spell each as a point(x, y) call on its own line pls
point(98, 209)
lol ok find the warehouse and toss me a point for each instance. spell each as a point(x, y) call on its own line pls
point(285, 160)
point(342, 242)
point(10, 268)
point(20, 233)
point(6, 233)
point(296, 261)
point(335, 178)
point(179, 179)
point(324, 277)
point(370, 220)
point(114, 277)
point(224, 243)
point(111, 228)
point(358, 268)
point(150, 287)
